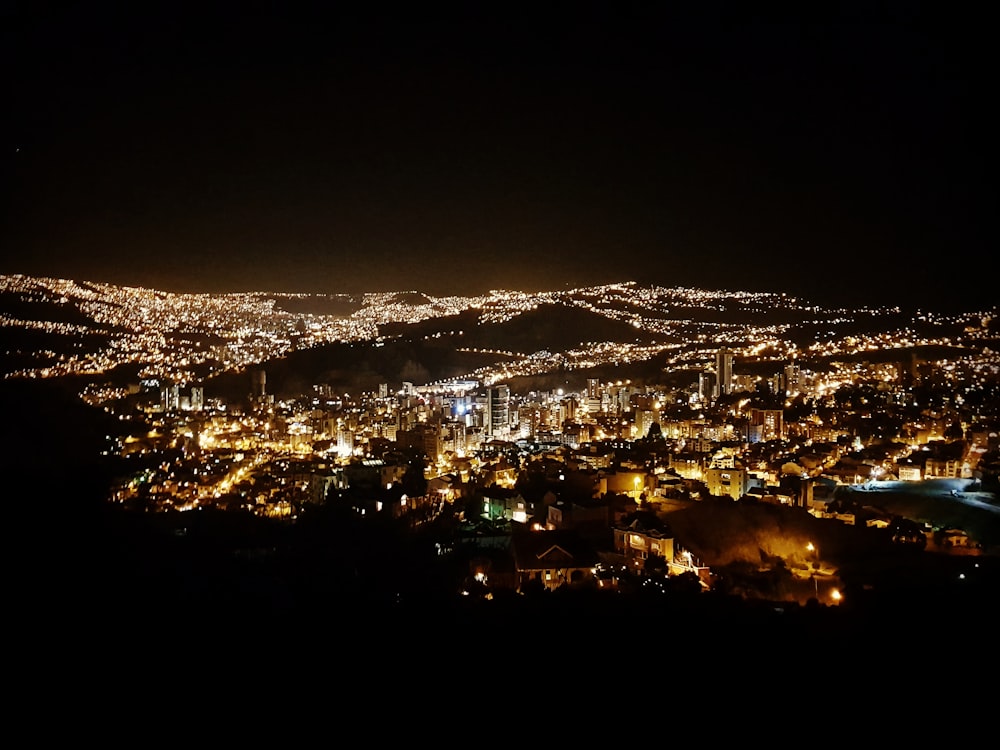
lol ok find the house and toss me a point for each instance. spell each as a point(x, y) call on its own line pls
point(668, 485)
point(726, 481)
point(944, 467)
point(503, 503)
point(594, 456)
point(641, 537)
point(370, 474)
point(500, 472)
point(955, 538)
point(949, 460)
point(909, 471)
point(688, 465)
point(875, 517)
point(448, 486)
point(565, 514)
point(634, 482)
point(552, 559)
point(773, 494)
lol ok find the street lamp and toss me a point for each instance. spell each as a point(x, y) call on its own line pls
point(812, 548)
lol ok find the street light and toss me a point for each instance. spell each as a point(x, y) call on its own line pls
point(812, 548)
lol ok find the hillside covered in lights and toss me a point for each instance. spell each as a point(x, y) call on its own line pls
point(109, 335)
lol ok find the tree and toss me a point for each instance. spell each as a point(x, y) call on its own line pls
point(656, 566)
point(686, 584)
point(954, 431)
point(413, 481)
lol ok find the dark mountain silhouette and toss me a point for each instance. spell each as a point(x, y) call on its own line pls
point(357, 366)
point(553, 327)
point(27, 306)
point(339, 304)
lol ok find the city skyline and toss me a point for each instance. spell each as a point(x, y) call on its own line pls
point(440, 330)
point(833, 157)
point(204, 454)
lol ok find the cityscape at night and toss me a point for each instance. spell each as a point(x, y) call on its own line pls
point(607, 441)
point(594, 320)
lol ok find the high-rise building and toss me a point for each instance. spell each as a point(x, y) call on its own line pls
point(723, 372)
point(498, 411)
point(258, 383)
point(766, 424)
point(593, 388)
point(791, 374)
point(623, 398)
point(170, 397)
point(345, 442)
point(706, 386)
point(644, 419)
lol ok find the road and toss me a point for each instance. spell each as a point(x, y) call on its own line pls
point(952, 489)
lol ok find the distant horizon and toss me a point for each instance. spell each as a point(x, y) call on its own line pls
point(383, 289)
point(950, 307)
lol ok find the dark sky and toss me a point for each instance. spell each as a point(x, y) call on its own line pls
point(838, 155)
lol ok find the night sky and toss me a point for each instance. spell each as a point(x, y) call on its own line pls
point(838, 155)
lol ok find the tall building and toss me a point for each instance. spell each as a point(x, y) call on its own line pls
point(498, 411)
point(345, 442)
point(723, 372)
point(791, 374)
point(644, 419)
point(766, 424)
point(258, 383)
point(622, 395)
point(567, 410)
point(259, 398)
point(170, 397)
point(593, 388)
point(706, 386)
